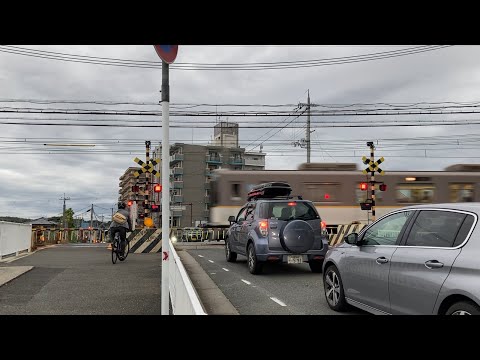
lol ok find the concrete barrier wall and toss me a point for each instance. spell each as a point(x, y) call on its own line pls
point(185, 300)
point(14, 238)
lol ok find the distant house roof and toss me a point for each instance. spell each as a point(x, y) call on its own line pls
point(42, 221)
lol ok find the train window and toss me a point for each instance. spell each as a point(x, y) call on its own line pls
point(461, 192)
point(415, 193)
point(236, 191)
point(363, 195)
point(321, 192)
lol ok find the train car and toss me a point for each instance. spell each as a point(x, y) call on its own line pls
point(336, 192)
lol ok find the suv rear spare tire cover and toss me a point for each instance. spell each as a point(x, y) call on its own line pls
point(297, 236)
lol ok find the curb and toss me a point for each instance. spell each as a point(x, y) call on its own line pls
point(13, 272)
point(212, 298)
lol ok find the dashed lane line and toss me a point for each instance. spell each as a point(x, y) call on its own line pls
point(225, 269)
point(246, 282)
point(281, 303)
point(211, 261)
point(200, 255)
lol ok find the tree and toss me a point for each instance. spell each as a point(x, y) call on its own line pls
point(69, 217)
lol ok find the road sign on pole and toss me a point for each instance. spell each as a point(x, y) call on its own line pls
point(167, 53)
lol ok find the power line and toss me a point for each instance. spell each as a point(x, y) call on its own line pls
point(216, 67)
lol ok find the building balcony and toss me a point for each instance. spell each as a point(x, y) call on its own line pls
point(177, 185)
point(176, 158)
point(237, 161)
point(210, 159)
point(176, 171)
point(177, 199)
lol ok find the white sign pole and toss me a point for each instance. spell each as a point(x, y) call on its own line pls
point(165, 305)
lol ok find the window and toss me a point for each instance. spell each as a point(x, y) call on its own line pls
point(464, 230)
point(241, 214)
point(461, 192)
point(250, 212)
point(415, 193)
point(321, 192)
point(236, 191)
point(387, 230)
point(435, 228)
point(292, 210)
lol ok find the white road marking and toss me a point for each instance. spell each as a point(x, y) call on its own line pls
point(246, 282)
point(225, 269)
point(211, 261)
point(278, 301)
point(212, 273)
point(200, 255)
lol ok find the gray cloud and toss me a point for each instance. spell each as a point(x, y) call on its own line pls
point(32, 184)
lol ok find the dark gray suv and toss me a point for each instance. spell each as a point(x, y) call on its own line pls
point(277, 230)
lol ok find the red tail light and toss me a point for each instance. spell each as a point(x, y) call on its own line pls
point(293, 203)
point(323, 225)
point(263, 226)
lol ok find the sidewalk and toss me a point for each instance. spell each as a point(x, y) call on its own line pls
point(9, 273)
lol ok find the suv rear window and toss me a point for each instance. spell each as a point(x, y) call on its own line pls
point(288, 210)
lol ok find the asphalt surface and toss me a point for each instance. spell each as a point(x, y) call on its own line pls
point(280, 290)
point(81, 280)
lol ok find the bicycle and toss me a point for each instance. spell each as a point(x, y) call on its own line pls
point(116, 253)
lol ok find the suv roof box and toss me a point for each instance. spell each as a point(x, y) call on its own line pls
point(269, 190)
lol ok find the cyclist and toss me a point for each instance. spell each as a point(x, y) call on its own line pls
point(120, 227)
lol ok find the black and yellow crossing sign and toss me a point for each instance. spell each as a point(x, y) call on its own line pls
point(147, 168)
point(373, 166)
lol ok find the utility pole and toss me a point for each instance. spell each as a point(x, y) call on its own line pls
point(147, 178)
point(91, 223)
point(308, 127)
point(64, 209)
point(372, 180)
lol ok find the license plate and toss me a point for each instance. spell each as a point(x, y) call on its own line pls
point(295, 259)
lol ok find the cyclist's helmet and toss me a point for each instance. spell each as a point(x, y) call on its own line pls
point(121, 205)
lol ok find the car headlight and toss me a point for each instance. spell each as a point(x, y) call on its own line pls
point(173, 238)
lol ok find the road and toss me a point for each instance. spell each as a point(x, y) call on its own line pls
point(280, 290)
point(80, 279)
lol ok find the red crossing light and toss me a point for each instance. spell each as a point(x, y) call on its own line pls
point(157, 188)
point(363, 186)
point(130, 202)
point(383, 187)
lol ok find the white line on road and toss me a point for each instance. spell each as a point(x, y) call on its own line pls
point(225, 269)
point(246, 282)
point(211, 261)
point(200, 255)
point(278, 301)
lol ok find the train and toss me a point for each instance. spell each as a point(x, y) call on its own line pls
point(337, 190)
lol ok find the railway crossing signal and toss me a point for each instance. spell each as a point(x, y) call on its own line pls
point(146, 168)
point(369, 204)
point(373, 166)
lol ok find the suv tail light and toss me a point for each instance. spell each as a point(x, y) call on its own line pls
point(323, 226)
point(263, 226)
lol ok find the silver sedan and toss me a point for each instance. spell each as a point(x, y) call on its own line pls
point(417, 260)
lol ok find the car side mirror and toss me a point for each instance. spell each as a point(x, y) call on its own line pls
point(231, 219)
point(351, 239)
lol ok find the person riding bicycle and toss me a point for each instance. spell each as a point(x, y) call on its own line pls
point(121, 223)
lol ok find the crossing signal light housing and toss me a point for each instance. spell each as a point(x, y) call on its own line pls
point(383, 187)
point(155, 208)
point(364, 186)
point(135, 188)
point(130, 202)
point(157, 188)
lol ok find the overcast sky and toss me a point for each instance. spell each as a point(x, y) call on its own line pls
point(32, 183)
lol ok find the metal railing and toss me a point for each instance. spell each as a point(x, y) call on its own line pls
point(185, 300)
